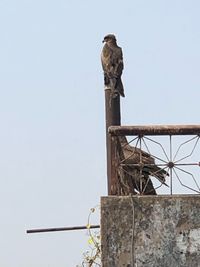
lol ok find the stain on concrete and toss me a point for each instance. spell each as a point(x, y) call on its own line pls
point(145, 231)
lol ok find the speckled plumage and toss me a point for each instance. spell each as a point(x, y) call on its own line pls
point(112, 63)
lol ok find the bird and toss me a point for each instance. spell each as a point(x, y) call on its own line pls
point(112, 64)
point(137, 168)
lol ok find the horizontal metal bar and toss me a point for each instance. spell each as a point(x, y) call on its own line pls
point(155, 130)
point(61, 229)
point(159, 165)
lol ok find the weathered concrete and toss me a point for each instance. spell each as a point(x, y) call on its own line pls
point(150, 231)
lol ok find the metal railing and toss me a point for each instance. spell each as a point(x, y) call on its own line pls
point(160, 158)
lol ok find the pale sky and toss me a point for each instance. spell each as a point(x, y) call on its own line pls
point(52, 138)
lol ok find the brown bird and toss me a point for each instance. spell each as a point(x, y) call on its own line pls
point(112, 63)
point(137, 168)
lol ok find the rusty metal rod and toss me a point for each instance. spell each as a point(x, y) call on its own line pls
point(155, 130)
point(61, 229)
point(160, 165)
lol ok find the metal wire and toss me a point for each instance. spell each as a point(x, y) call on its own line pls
point(171, 173)
point(159, 145)
point(191, 151)
point(183, 183)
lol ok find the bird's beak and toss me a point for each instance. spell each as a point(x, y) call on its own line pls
point(103, 41)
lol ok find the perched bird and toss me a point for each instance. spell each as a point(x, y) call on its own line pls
point(137, 168)
point(112, 63)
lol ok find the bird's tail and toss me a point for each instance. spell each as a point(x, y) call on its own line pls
point(119, 86)
point(158, 173)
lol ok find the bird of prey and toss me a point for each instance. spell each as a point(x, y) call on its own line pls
point(112, 63)
point(137, 168)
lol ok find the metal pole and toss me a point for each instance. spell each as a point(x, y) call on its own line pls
point(113, 117)
point(61, 229)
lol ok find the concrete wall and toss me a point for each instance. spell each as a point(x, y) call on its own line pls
point(145, 231)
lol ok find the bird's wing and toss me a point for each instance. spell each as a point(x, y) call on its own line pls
point(118, 61)
point(106, 58)
point(135, 155)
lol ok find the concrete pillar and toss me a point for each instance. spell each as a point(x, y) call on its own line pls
point(150, 231)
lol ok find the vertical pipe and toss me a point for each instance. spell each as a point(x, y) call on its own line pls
point(113, 117)
point(108, 137)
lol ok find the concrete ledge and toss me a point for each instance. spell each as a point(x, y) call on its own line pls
point(145, 231)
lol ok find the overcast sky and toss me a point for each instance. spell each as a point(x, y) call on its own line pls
point(52, 138)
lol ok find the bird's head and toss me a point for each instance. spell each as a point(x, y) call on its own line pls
point(109, 38)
